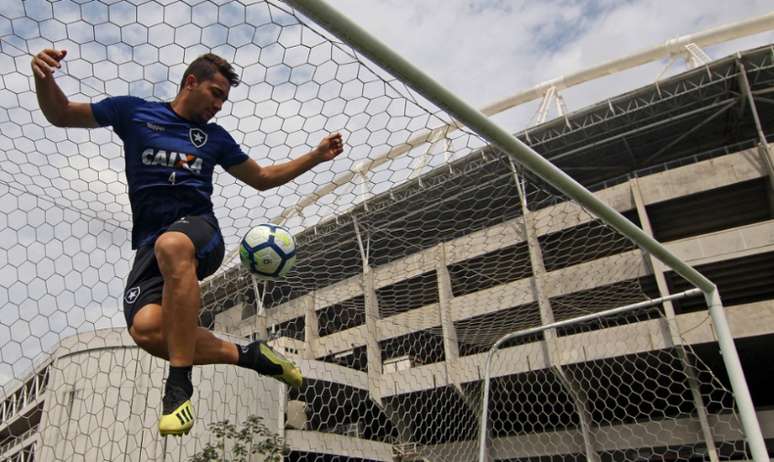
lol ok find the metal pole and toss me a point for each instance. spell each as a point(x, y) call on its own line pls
point(363, 42)
point(485, 407)
point(555, 325)
point(752, 429)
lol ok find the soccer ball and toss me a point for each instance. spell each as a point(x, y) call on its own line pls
point(268, 251)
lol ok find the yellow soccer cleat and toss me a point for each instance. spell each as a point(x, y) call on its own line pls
point(178, 422)
point(285, 370)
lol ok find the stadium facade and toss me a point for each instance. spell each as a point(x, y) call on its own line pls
point(685, 158)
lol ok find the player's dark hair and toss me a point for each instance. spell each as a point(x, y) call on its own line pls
point(205, 66)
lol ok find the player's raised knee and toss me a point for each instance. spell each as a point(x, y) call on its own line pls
point(174, 252)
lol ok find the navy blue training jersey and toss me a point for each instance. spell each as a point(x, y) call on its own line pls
point(169, 162)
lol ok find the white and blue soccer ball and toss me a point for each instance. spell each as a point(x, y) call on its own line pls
point(268, 251)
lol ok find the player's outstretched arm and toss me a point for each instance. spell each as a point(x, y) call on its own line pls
point(263, 178)
point(55, 106)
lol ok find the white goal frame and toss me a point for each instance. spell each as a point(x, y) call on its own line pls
point(360, 40)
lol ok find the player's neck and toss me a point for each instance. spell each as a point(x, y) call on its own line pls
point(179, 107)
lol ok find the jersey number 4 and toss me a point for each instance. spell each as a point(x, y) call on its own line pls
point(172, 178)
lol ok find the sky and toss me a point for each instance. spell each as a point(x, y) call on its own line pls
point(487, 50)
point(483, 51)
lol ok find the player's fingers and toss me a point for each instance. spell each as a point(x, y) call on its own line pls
point(56, 54)
point(44, 61)
point(48, 59)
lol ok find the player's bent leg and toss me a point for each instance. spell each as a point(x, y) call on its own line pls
point(262, 358)
point(147, 332)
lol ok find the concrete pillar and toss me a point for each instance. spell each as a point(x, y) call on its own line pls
point(450, 344)
point(451, 347)
point(260, 326)
point(671, 324)
point(311, 327)
point(373, 350)
point(547, 317)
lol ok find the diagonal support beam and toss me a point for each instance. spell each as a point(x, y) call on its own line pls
point(763, 146)
point(690, 132)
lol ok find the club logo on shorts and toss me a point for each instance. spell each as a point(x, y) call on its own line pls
point(197, 136)
point(132, 294)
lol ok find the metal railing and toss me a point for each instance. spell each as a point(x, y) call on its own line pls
point(28, 393)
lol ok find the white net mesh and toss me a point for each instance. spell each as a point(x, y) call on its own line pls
point(414, 257)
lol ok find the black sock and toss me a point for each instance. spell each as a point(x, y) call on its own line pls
point(180, 377)
point(250, 357)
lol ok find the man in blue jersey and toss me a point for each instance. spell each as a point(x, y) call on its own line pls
point(170, 152)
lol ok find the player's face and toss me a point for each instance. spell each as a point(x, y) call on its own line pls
point(207, 97)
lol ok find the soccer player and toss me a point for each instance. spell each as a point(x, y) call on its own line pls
point(170, 151)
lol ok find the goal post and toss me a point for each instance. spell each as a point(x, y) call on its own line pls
point(359, 39)
point(553, 326)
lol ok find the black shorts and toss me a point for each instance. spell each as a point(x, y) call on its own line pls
point(145, 283)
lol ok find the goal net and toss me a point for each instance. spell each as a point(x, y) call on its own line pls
point(417, 249)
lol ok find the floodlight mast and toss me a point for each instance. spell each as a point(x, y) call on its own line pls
point(340, 26)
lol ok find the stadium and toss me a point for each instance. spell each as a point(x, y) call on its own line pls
point(429, 247)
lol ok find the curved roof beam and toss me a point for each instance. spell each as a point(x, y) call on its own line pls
point(669, 48)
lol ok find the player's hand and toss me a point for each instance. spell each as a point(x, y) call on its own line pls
point(45, 62)
point(330, 147)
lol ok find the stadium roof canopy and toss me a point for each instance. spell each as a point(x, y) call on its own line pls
point(698, 114)
point(702, 113)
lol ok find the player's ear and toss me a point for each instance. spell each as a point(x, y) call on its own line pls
point(190, 81)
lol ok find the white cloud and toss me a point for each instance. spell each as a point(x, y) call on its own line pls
point(485, 51)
